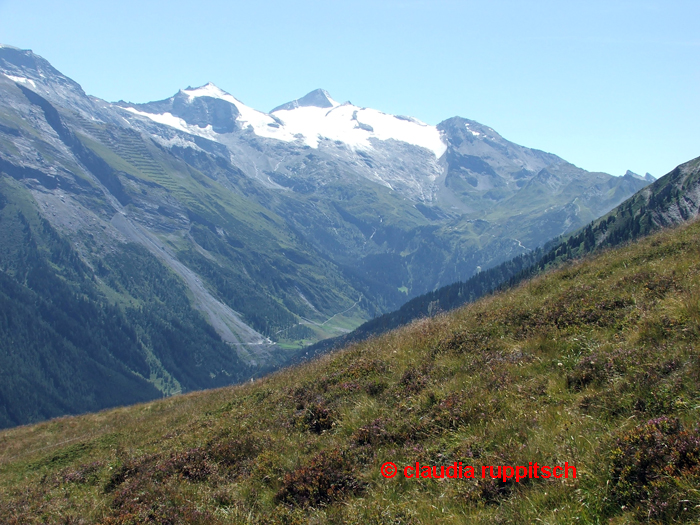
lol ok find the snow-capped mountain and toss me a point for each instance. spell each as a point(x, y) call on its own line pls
point(208, 111)
point(317, 117)
point(315, 121)
point(280, 227)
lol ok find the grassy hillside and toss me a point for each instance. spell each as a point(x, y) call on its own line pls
point(595, 364)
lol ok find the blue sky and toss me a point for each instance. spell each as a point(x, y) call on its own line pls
point(608, 85)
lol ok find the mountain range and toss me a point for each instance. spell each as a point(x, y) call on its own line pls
point(150, 249)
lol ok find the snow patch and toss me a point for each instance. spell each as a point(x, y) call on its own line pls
point(475, 133)
point(355, 127)
point(333, 102)
point(262, 124)
point(177, 141)
point(209, 90)
point(22, 80)
point(171, 120)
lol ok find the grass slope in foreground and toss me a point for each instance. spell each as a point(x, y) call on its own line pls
point(595, 364)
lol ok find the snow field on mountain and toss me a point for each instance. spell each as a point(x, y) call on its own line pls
point(22, 80)
point(171, 120)
point(263, 124)
point(345, 123)
point(342, 123)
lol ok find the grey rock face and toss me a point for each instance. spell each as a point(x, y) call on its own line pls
point(197, 111)
point(319, 98)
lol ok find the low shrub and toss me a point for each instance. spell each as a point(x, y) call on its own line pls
point(653, 466)
point(315, 417)
point(328, 477)
point(86, 474)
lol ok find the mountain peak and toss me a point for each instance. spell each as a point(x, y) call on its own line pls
point(14, 57)
point(648, 177)
point(318, 98)
point(25, 66)
point(207, 90)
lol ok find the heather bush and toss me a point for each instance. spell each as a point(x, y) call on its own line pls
point(651, 464)
point(315, 417)
point(327, 477)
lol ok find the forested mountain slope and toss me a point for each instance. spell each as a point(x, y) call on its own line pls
point(68, 348)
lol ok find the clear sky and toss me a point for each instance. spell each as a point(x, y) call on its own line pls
point(608, 85)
